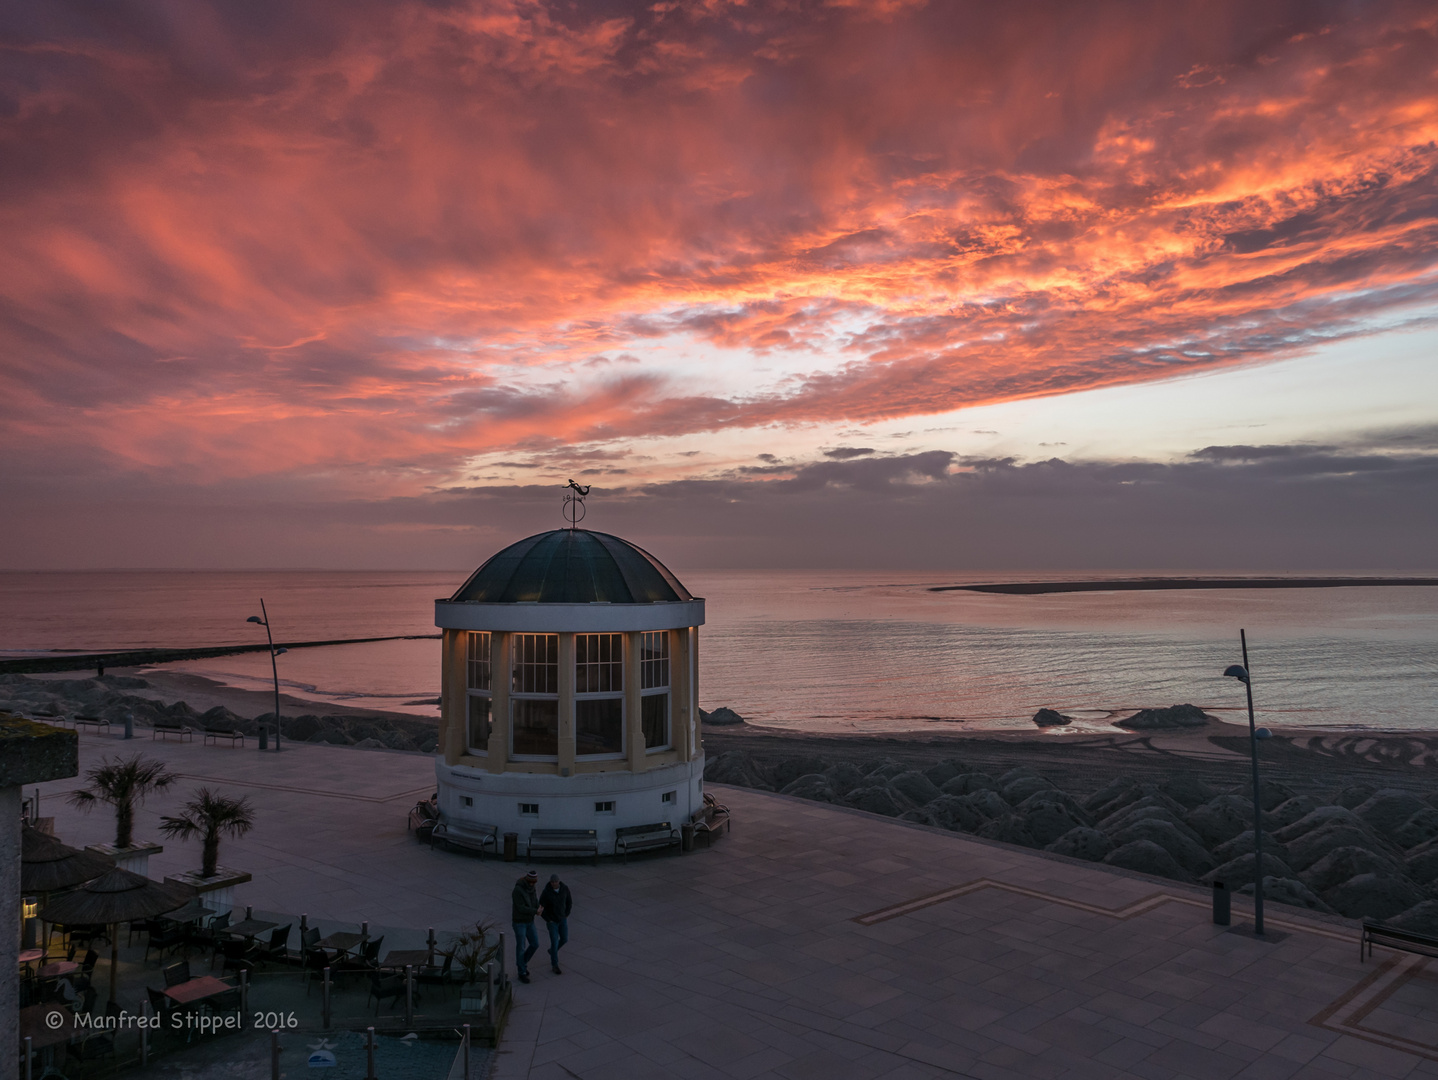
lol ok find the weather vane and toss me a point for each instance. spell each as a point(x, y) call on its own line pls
point(574, 503)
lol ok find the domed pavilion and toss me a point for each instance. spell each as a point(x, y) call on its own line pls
point(570, 691)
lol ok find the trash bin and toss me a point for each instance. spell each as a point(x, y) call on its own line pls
point(686, 836)
point(264, 738)
point(511, 846)
point(1221, 904)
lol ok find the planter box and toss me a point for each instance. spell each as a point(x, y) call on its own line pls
point(135, 858)
point(472, 999)
point(216, 892)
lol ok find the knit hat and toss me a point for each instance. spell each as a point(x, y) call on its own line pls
point(533, 875)
point(553, 878)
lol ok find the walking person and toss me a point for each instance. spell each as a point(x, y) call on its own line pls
point(555, 904)
point(524, 906)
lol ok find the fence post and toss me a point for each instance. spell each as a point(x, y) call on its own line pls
point(274, 1055)
point(304, 926)
point(408, 994)
point(325, 998)
point(29, 1055)
point(364, 930)
point(369, 1055)
point(465, 1041)
point(244, 991)
point(429, 960)
point(144, 1033)
point(499, 952)
point(489, 989)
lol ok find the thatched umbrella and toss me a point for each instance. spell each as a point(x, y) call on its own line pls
point(47, 866)
point(117, 897)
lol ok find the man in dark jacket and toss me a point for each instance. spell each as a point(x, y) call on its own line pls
point(524, 906)
point(555, 904)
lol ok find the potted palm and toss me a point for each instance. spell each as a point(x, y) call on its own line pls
point(472, 952)
point(210, 816)
point(124, 784)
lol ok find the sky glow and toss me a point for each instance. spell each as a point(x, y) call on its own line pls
point(364, 256)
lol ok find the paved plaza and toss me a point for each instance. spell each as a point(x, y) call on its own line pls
point(816, 943)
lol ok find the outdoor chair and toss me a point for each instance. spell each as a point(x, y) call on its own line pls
point(145, 926)
point(366, 960)
point(160, 1004)
point(437, 975)
point(170, 936)
point(278, 946)
point(238, 955)
point(102, 1043)
point(385, 986)
point(87, 971)
point(315, 963)
point(177, 973)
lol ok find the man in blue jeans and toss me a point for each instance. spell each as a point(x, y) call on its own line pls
point(524, 906)
point(555, 904)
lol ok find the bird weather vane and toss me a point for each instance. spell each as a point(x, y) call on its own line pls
point(574, 503)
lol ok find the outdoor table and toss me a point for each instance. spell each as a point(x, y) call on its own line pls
point(342, 942)
point(29, 955)
point(58, 969)
point(189, 913)
point(32, 1023)
point(416, 958)
point(205, 986)
point(250, 927)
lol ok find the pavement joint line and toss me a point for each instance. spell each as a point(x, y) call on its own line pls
point(1346, 1018)
point(1138, 907)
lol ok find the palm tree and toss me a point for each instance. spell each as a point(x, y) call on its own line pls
point(210, 816)
point(124, 784)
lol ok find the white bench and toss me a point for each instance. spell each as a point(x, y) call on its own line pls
point(644, 838)
point(466, 834)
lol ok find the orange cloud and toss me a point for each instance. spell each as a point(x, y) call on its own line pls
point(376, 239)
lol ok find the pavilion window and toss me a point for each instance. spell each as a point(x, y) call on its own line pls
point(599, 695)
point(534, 696)
point(478, 678)
point(654, 690)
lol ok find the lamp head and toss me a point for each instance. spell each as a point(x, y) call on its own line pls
point(281, 651)
point(256, 619)
point(1263, 733)
point(1236, 671)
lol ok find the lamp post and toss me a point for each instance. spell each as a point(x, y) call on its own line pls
point(274, 668)
point(1240, 672)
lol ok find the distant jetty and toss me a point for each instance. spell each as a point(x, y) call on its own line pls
point(65, 661)
point(1159, 584)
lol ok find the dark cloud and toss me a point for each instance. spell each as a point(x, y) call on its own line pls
point(844, 453)
point(1313, 509)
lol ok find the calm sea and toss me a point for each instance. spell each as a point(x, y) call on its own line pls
point(818, 650)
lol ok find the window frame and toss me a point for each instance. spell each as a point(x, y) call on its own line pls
point(522, 671)
point(656, 664)
point(481, 671)
point(595, 672)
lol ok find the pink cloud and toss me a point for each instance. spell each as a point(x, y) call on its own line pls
point(245, 239)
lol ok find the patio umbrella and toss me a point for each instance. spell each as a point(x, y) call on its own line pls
point(117, 897)
point(47, 866)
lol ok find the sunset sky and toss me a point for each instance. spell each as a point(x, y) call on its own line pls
point(890, 284)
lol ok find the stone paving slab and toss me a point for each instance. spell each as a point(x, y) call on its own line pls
point(819, 942)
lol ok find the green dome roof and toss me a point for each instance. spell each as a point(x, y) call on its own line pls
point(572, 566)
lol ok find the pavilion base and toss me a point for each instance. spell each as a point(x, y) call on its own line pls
point(519, 802)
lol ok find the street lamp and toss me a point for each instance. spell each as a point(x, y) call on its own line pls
point(274, 668)
point(1240, 672)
